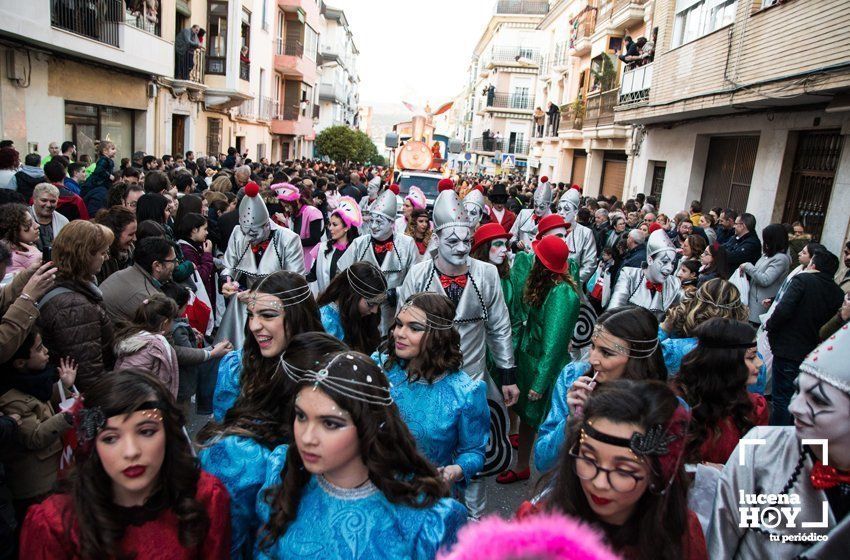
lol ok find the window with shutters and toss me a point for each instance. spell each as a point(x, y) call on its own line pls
point(213, 137)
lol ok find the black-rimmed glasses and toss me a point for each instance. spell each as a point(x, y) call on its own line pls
point(619, 480)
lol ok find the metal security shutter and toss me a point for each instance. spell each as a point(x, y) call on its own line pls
point(729, 172)
point(579, 166)
point(613, 175)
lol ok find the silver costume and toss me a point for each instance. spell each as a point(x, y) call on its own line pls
point(632, 288)
point(525, 227)
point(580, 239)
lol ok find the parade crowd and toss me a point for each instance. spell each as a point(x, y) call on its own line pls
point(367, 358)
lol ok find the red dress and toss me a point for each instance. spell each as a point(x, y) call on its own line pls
point(717, 449)
point(44, 536)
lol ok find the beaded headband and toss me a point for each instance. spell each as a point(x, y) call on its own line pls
point(432, 321)
point(92, 420)
point(636, 353)
point(350, 388)
point(733, 305)
point(288, 298)
point(368, 292)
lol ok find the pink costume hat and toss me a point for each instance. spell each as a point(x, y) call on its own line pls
point(286, 192)
point(417, 198)
point(349, 212)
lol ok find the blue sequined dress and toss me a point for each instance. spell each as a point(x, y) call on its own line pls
point(240, 464)
point(338, 523)
point(449, 418)
point(227, 384)
point(552, 432)
point(332, 321)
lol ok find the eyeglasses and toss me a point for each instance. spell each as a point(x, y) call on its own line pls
point(166, 261)
point(619, 480)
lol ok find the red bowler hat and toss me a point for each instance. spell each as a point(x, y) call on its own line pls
point(489, 232)
point(550, 222)
point(553, 253)
point(445, 185)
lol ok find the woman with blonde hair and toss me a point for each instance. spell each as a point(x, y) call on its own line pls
point(221, 184)
point(715, 298)
point(72, 318)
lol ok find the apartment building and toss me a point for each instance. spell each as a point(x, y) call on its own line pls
point(501, 83)
point(83, 74)
point(580, 74)
point(726, 117)
point(338, 97)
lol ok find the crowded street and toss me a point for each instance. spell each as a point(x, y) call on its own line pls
point(481, 280)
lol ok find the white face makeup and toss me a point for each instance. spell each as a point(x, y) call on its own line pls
point(498, 251)
point(660, 265)
point(566, 210)
point(541, 208)
point(257, 234)
point(380, 226)
point(455, 244)
point(474, 213)
point(821, 411)
point(372, 189)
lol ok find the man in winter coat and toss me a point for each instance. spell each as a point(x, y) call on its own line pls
point(31, 174)
point(745, 246)
point(810, 300)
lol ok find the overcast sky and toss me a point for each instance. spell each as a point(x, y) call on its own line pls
point(414, 51)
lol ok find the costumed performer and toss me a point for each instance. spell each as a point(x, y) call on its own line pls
point(624, 345)
point(278, 308)
point(499, 213)
point(444, 408)
point(351, 306)
point(580, 238)
point(304, 218)
point(482, 320)
point(551, 296)
point(136, 486)
point(476, 209)
point(788, 462)
point(393, 254)
point(373, 188)
point(353, 460)
point(236, 449)
point(653, 287)
point(524, 229)
point(414, 200)
point(257, 248)
point(343, 225)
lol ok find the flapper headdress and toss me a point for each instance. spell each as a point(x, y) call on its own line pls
point(637, 349)
point(288, 298)
point(374, 295)
point(432, 321)
point(328, 378)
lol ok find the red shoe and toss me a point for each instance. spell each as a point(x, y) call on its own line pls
point(514, 439)
point(510, 476)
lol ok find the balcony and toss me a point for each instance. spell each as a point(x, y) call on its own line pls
point(332, 92)
point(289, 60)
point(191, 79)
point(619, 15)
point(522, 7)
point(512, 56)
point(494, 145)
point(515, 101)
point(600, 108)
point(139, 14)
point(292, 120)
point(99, 25)
point(635, 85)
point(246, 110)
point(290, 47)
point(580, 39)
point(268, 109)
point(333, 53)
point(244, 70)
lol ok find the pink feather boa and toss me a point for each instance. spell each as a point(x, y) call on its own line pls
point(544, 537)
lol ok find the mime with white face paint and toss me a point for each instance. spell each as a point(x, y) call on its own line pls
point(256, 249)
point(653, 287)
point(393, 254)
point(580, 238)
point(473, 202)
point(524, 229)
point(482, 321)
point(791, 461)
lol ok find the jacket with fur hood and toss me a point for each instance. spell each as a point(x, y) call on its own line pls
point(149, 352)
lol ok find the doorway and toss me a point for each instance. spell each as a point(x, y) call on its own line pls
point(178, 135)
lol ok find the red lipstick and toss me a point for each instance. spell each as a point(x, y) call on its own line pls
point(134, 471)
point(599, 501)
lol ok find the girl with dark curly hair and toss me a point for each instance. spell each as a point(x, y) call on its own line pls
point(445, 409)
point(136, 487)
point(350, 306)
point(20, 232)
point(624, 345)
point(352, 484)
point(621, 470)
point(279, 307)
point(713, 379)
point(552, 300)
point(236, 449)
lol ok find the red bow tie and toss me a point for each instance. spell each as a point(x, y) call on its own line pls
point(653, 286)
point(261, 247)
point(447, 281)
point(824, 477)
point(385, 247)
